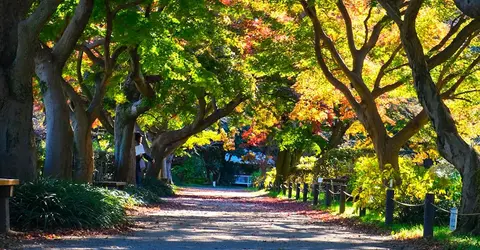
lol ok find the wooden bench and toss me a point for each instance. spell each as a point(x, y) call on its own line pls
point(6, 191)
point(111, 184)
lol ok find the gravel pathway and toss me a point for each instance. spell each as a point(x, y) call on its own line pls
point(207, 218)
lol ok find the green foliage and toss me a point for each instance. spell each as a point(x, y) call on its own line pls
point(157, 187)
point(270, 178)
point(339, 162)
point(142, 195)
point(192, 171)
point(369, 182)
point(50, 204)
point(443, 181)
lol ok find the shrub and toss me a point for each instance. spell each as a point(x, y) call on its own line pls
point(157, 187)
point(191, 171)
point(51, 204)
point(270, 178)
point(142, 195)
point(368, 182)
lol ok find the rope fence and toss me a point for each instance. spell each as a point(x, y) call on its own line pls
point(409, 205)
point(329, 187)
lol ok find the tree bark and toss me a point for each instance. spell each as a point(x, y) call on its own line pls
point(124, 145)
point(83, 160)
point(59, 141)
point(49, 67)
point(17, 150)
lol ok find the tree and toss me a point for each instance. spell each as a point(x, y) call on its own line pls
point(353, 82)
point(85, 113)
point(449, 143)
point(49, 68)
point(20, 25)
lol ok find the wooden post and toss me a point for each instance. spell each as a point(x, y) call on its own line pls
point(315, 194)
point(389, 207)
point(6, 191)
point(290, 190)
point(328, 195)
point(305, 192)
point(429, 216)
point(297, 195)
point(362, 212)
point(342, 198)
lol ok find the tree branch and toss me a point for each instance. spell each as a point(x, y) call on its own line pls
point(381, 72)
point(64, 47)
point(380, 91)
point(143, 87)
point(348, 27)
point(410, 129)
point(457, 23)
point(321, 61)
point(457, 42)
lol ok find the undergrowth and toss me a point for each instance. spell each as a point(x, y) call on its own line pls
point(48, 204)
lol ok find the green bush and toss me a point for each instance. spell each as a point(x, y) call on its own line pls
point(270, 178)
point(142, 196)
point(157, 187)
point(192, 171)
point(368, 183)
point(51, 204)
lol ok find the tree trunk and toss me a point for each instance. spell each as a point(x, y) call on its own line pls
point(124, 146)
point(83, 165)
point(59, 141)
point(17, 150)
point(20, 26)
point(449, 143)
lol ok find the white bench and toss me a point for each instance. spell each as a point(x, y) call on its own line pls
point(243, 180)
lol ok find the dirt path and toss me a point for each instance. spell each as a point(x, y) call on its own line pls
point(207, 218)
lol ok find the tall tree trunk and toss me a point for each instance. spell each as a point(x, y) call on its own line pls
point(59, 141)
point(20, 26)
point(124, 146)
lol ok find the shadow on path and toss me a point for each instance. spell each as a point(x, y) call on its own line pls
point(219, 218)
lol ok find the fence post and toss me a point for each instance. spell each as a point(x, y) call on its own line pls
point(362, 212)
point(342, 198)
point(429, 216)
point(297, 195)
point(389, 207)
point(328, 195)
point(289, 190)
point(305, 192)
point(315, 194)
